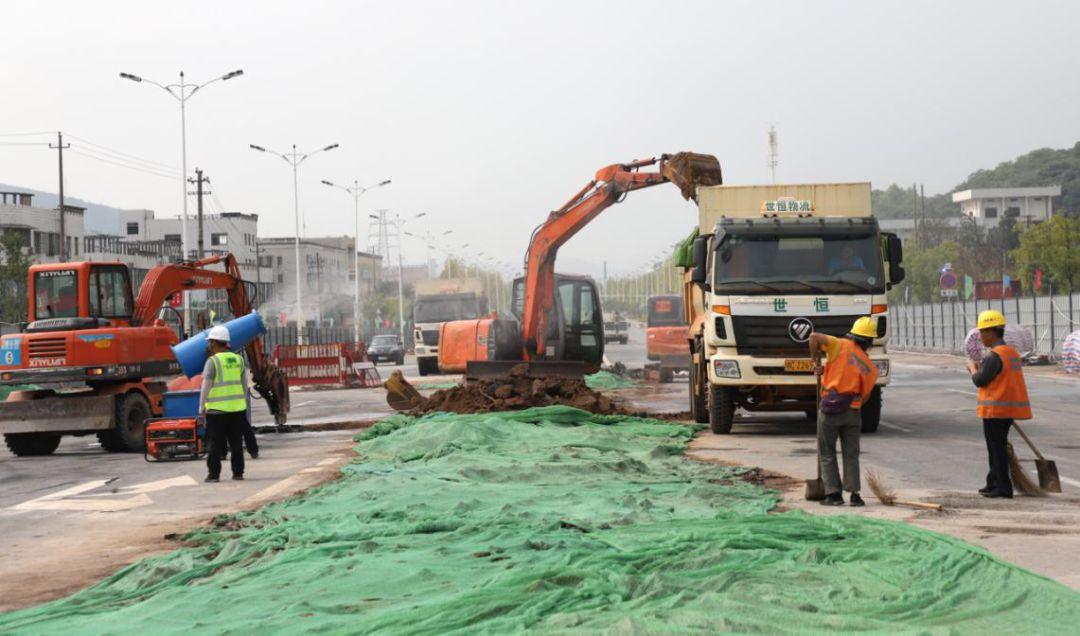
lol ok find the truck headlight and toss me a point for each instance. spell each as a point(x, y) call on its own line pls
point(882, 367)
point(726, 369)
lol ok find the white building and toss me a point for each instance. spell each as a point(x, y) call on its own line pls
point(40, 227)
point(987, 206)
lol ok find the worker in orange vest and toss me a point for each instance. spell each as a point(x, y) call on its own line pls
point(847, 380)
point(1002, 398)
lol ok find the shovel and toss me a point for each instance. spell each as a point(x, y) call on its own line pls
point(815, 488)
point(1048, 472)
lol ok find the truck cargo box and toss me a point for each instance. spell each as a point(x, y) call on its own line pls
point(747, 201)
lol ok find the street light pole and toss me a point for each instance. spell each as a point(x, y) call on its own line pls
point(356, 191)
point(294, 159)
point(181, 94)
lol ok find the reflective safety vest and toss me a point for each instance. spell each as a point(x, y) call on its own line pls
point(849, 372)
point(1006, 396)
point(226, 394)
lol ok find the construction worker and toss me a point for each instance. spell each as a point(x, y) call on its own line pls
point(1002, 398)
point(225, 404)
point(847, 379)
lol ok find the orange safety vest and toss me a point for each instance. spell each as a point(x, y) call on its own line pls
point(1006, 396)
point(849, 372)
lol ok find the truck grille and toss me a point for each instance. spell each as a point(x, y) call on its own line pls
point(431, 337)
point(47, 348)
point(768, 335)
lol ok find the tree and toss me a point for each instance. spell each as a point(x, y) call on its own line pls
point(923, 269)
point(1054, 247)
point(14, 270)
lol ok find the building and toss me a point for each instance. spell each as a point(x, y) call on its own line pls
point(327, 273)
point(40, 227)
point(987, 206)
point(139, 256)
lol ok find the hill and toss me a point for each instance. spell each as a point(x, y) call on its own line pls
point(99, 218)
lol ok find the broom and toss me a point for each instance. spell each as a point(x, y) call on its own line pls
point(887, 495)
point(1019, 478)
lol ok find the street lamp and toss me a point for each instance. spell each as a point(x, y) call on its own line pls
point(356, 190)
point(182, 92)
point(294, 159)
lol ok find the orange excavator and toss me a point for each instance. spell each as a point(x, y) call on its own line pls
point(98, 361)
point(558, 322)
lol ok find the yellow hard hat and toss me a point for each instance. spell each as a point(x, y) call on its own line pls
point(865, 327)
point(990, 318)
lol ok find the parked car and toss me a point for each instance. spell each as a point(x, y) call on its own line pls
point(386, 348)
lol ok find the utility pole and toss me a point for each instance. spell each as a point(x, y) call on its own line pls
point(773, 153)
point(199, 180)
point(63, 221)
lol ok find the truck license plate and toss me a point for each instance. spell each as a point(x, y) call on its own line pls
point(805, 366)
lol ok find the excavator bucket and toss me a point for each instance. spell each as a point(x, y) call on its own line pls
point(400, 395)
point(478, 370)
point(688, 170)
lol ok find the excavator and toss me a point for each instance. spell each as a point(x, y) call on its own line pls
point(557, 324)
point(97, 361)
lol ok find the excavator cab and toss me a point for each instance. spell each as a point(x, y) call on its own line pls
point(575, 327)
point(79, 296)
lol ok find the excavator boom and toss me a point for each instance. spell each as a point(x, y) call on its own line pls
point(686, 170)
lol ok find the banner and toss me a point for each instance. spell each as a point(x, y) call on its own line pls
point(969, 287)
point(1038, 279)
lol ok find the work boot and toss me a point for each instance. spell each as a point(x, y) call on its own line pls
point(211, 480)
point(254, 455)
point(856, 500)
point(997, 494)
point(835, 499)
point(986, 489)
point(238, 478)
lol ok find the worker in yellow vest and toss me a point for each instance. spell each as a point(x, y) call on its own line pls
point(847, 380)
point(1002, 398)
point(225, 404)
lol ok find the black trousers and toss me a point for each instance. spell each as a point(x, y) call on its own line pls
point(225, 430)
point(996, 432)
point(250, 442)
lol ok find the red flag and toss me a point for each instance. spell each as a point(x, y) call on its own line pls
point(1038, 279)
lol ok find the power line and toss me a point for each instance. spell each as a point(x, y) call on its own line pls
point(123, 155)
point(124, 165)
point(28, 134)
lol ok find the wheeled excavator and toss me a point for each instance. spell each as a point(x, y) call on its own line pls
point(100, 359)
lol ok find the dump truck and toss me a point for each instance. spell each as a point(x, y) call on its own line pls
point(616, 329)
point(766, 267)
point(438, 301)
point(665, 335)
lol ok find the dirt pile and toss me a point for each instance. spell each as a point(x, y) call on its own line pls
point(518, 390)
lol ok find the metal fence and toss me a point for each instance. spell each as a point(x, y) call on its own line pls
point(320, 335)
point(943, 326)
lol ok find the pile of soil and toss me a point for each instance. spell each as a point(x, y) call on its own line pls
point(518, 390)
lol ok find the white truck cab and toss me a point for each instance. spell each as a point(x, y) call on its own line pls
point(772, 265)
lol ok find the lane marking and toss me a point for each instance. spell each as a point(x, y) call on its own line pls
point(902, 429)
point(79, 498)
point(327, 461)
point(961, 391)
point(1071, 482)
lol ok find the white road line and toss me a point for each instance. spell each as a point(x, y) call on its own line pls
point(1071, 482)
point(962, 391)
point(327, 461)
point(897, 427)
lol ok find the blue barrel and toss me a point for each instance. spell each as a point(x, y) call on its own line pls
point(193, 352)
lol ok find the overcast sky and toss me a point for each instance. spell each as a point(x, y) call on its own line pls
point(486, 115)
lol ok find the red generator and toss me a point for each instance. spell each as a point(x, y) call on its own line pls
point(173, 438)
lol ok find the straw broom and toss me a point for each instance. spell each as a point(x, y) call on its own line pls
point(888, 497)
point(1019, 478)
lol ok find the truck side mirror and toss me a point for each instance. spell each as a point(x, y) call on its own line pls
point(700, 273)
point(895, 252)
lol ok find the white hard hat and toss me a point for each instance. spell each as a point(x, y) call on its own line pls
point(219, 333)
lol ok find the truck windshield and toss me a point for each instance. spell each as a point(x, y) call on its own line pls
point(445, 309)
point(56, 294)
point(665, 312)
point(793, 264)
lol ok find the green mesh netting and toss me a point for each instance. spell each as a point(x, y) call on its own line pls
point(608, 380)
point(556, 521)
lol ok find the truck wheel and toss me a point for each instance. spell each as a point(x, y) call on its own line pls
point(427, 366)
point(698, 409)
point(721, 409)
point(811, 414)
point(871, 411)
point(29, 444)
point(667, 376)
point(132, 411)
point(401, 360)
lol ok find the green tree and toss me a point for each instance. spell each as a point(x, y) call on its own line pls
point(1053, 247)
point(14, 269)
point(923, 269)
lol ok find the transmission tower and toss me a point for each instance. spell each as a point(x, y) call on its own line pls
point(773, 156)
point(379, 235)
